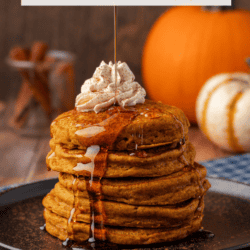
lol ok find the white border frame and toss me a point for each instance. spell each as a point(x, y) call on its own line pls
point(124, 2)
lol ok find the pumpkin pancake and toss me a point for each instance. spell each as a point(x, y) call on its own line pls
point(61, 201)
point(130, 173)
point(153, 162)
point(175, 188)
point(145, 125)
point(80, 231)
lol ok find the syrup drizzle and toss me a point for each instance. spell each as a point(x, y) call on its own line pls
point(91, 153)
point(92, 228)
point(111, 125)
point(115, 49)
point(115, 41)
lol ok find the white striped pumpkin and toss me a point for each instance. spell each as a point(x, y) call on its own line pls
point(223, 111)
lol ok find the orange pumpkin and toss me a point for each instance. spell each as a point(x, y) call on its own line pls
point(188, 45)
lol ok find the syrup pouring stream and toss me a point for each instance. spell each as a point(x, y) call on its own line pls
point(115, 47)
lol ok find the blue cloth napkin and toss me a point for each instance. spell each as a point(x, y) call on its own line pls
point(235, 168)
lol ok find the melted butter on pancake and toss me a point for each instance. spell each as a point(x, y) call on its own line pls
point(52, 155)
point(90, 131)
point(71, 214)
point(78, 156)
point(91, 153)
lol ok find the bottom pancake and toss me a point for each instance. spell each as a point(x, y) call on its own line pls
point(61, 201)
point(79, 231)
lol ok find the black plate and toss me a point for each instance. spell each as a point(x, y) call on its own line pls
point(227, 215)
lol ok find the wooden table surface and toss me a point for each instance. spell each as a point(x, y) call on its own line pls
point(23, 158)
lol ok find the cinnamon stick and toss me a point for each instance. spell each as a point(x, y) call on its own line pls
point(24, 97)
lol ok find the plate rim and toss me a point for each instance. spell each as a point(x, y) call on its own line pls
point(230, 192)
point(8, 188)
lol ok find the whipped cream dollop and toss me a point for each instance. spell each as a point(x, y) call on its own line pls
point(101, 92)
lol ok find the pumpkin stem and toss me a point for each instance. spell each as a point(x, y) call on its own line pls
point(219, 8)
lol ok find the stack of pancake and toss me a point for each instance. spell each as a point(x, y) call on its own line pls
point(126, 176)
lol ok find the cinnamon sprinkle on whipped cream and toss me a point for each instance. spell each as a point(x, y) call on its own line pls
point(100, 92)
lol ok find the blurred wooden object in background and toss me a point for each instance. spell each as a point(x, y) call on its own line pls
point(48, 79)
point(32, 84)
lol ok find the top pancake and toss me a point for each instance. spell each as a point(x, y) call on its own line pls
point(142, 126)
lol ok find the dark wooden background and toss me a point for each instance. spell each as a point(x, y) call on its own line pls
point(85, 31)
